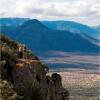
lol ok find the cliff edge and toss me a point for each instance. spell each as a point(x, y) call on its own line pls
point(24, 77)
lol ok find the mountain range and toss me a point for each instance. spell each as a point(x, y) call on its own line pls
point(12, 21)
point(71, 26)
point(40, 38)
point(97, 28)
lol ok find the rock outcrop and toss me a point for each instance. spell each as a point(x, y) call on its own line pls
point(27, 76)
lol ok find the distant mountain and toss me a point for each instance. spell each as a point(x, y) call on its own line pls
point(12, 21)
point(57, 25)
point(40, 38)
point(97, 28)
point(72, 27)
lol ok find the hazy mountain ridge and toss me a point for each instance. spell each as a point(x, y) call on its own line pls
point(12, 21)
point(40, 38)
point(97, 28)
point(72, 27)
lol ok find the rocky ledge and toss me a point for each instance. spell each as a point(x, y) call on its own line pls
point(24, 77)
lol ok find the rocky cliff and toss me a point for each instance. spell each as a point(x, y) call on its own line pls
point(24, 77)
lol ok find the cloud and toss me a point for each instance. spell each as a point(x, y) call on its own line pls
point(84, 11)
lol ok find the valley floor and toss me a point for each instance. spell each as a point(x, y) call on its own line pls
point(82, 84)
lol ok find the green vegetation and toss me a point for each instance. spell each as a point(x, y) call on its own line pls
point(8, 41)
point(23, 76)
point(8, 60)
point(7, 91)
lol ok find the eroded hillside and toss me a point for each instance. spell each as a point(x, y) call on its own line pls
point(24, 77)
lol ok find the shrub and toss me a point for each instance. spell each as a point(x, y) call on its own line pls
point(7, 91)
point(7, 53)
point(9, 42)
point(46, 68)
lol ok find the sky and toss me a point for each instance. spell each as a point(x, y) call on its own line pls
point(82, 11)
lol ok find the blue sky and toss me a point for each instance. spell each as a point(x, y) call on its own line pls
point(83, 11)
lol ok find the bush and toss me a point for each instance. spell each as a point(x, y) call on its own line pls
point(46, 68)
point(9, 42)
point(7, 53)
point(7, 91)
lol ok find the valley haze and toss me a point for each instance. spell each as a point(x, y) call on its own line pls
point(68, 48)
point(59, 43)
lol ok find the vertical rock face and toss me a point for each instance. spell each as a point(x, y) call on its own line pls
point(22, 77)
point(55, 88)
point(58, 86)
point(27, 74)
point(28, 78)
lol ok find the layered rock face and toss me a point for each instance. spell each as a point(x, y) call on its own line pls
point(28, 77)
